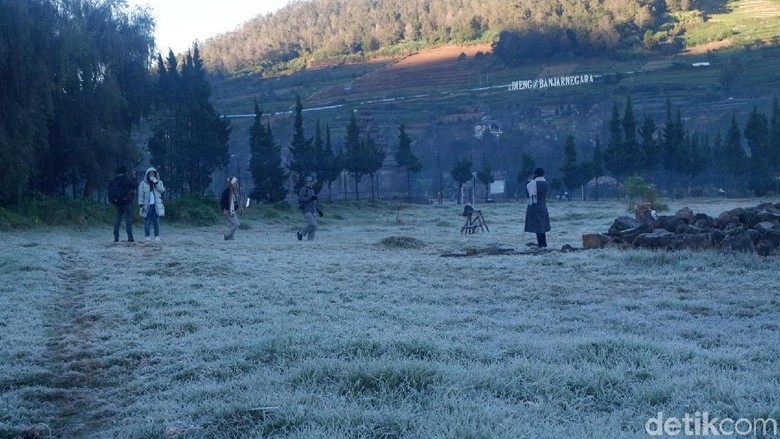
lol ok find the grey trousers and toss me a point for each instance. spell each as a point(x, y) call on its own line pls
point(233, 224)
point(311, 226)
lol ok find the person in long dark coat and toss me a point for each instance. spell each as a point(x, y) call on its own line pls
point(537, 219)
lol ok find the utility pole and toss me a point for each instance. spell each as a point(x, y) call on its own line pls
point(473, 188)
point(441, 181)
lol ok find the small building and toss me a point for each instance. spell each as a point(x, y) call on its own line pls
point(488, 125)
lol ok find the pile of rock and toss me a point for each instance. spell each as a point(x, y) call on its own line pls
point(753, 229)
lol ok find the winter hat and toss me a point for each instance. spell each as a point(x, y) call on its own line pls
point(308, 178)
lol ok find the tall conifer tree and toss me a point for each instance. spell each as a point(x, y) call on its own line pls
point(266, 163)
point(406, 159)
point(302, 154)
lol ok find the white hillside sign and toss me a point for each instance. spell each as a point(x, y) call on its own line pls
point(560, 81)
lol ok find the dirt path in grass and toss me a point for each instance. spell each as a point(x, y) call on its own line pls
point(78, 371)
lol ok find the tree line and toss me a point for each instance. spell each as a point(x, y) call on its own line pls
point(313, 31)
point(745, 159)
point(669, 154)
point(360, 156)
point(77, 79)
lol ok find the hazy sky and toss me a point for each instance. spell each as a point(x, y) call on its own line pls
point(181, 22)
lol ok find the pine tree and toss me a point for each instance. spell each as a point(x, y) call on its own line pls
point(527, 167)
point(757, 135)
point(651, 154)
point(302, 154)
point(734, 152)
point(354, 157)
point(168, 128)
point(268, 173)
point(774, 139)
point(318, 151)
point(374, 158)
point(631, 151)
point(485, 176)
point(329, 164)
point(572, 172)
point(692, 158)
point(406, 159)
point(673, 144)
point(614, 157)
point(720, 159)
point(207, 133)
point(673, 140)
point(597, 166)
point(461, 173)
point(189, 138)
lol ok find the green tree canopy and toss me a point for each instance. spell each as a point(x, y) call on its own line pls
point(461, 173)
point(303, 157)
point(189, 138)
point(406, 159)
point(329, 165)
point(485, 176)
point(75, 79)
point(268, 173)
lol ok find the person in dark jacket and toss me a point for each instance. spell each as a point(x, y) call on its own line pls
point(537, 219)
point(123, 206)
point(307, 200)
point(230, 202)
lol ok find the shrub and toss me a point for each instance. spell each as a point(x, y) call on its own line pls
point(55, 211)
point(637, 191)
point(402, 242)
point(195, 210)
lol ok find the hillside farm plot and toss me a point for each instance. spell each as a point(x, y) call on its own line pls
point(355, 335)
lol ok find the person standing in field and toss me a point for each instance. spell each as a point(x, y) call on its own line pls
point(307, 201)
point(231, 205)
point(120, 193)
point(151, 203)
point(537, 219)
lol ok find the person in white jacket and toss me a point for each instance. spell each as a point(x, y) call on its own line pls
point(150, 200)
point(537, 218)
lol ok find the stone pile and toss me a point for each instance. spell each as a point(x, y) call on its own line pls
point(753, 229)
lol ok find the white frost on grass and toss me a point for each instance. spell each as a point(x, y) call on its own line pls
point(346, 337)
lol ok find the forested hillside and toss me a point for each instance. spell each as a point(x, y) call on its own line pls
point(316, 31)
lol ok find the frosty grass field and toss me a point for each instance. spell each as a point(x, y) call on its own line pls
point(345, 337)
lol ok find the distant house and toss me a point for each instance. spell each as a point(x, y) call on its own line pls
point(488, 125)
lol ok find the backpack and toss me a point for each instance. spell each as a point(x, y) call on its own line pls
point(117, 191)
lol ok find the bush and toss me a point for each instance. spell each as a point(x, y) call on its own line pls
point(637, 191)
point(194, 210)
point(56, 211)
point(61, 211)
point(402, 242)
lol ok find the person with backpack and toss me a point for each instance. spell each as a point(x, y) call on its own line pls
point(307, 201)
point(151, 203)
point(120, 194)
point(230, 202)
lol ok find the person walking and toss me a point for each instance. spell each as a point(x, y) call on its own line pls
point(231, 205)
point(307, 201)
point(151, 203)
point(537, 219)
point(120, 193)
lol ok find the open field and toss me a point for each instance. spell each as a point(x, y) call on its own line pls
point(345, 337)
